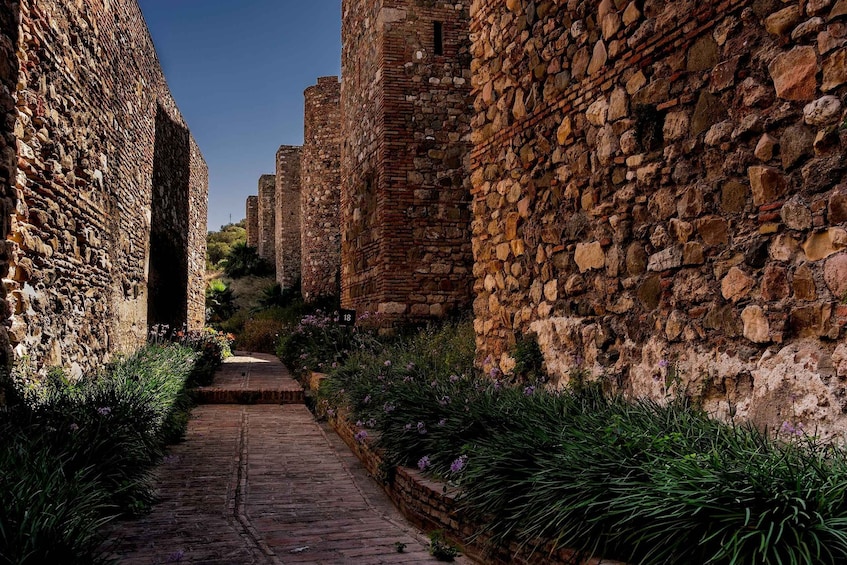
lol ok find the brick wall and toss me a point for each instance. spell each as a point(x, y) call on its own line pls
point(267, 218)
point(252, 221)
point(320, 192)
point(405, 183)
point(659, 195)
point(288, 238)
point(109, 229)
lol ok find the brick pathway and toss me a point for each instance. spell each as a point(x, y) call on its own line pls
point(265, 484)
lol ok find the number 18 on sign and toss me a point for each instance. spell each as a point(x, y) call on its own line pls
point(347, 317)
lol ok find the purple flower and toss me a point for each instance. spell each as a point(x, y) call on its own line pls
point(494, 372)
point(579, 360)
point(74, 427)
point(388, 408)
point(441, 422)
point(387, 363)
point(454, 378)
point(498, 384)
point(530, 390)
point(663, 363)
point(459, 464)
point(410, 366)
point(408, 427)
point(175, 557)
point(421, 428)
point(330, 412)
point(423, 463)
point(433, 384)
point(791, 429)
point(104, 410)
point(359, 423)
point(371, 423)
point(361, 436)
point(444, 401)
point(367, 399)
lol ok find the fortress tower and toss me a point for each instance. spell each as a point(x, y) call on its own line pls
point(406, 110)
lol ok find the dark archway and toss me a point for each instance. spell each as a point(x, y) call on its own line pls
point(167, 283)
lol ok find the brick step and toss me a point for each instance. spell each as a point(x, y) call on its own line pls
point(214, 395)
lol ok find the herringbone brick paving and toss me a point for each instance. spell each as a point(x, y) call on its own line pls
point(265, 484)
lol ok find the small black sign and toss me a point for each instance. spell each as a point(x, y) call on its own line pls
point(347, 317)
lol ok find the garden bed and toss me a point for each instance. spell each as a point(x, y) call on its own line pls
point(555, 475)
point(431, 505)
point(76, 454)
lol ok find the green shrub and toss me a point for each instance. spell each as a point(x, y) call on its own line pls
point(260, 335)
point(243, 261)
point(77, 453)
point(46, 514)
point(119, 422)
point(220, 304)
point(319, 342)
point(219, 244)
point(275, 296)
point(638, 481)
point(529, 360)
point(212, 346)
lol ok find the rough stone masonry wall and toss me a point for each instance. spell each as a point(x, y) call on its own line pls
point(9, 32)
point(267, 218)
point(659, 195)
point(321, 191)
point(406, 115)
point(252, 221)
point(288, 238)
point(111, 189)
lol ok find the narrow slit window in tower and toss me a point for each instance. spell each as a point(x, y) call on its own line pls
point(438, 37)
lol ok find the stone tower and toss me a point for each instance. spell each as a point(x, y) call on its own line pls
point(406, 108)
point(267, 213)
point(320, 190)
point(252, 221)
point(288, 216)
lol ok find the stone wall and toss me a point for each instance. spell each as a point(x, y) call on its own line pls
point(9, 32)
point(108, 234)
point(405, 183)
point(288, 238)
point(659, 195)
point(320, 192)
point(267, 218)
point(252, 221)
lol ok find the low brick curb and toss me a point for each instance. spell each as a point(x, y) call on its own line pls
point(431, 505)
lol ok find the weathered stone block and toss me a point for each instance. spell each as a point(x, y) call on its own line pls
point(767, 184)
point(794, 73)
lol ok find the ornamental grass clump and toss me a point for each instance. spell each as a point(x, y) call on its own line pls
point(48, 515)
point(77, 453)
point(643, 482)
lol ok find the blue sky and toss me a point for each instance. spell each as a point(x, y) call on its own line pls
point(238, 69)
